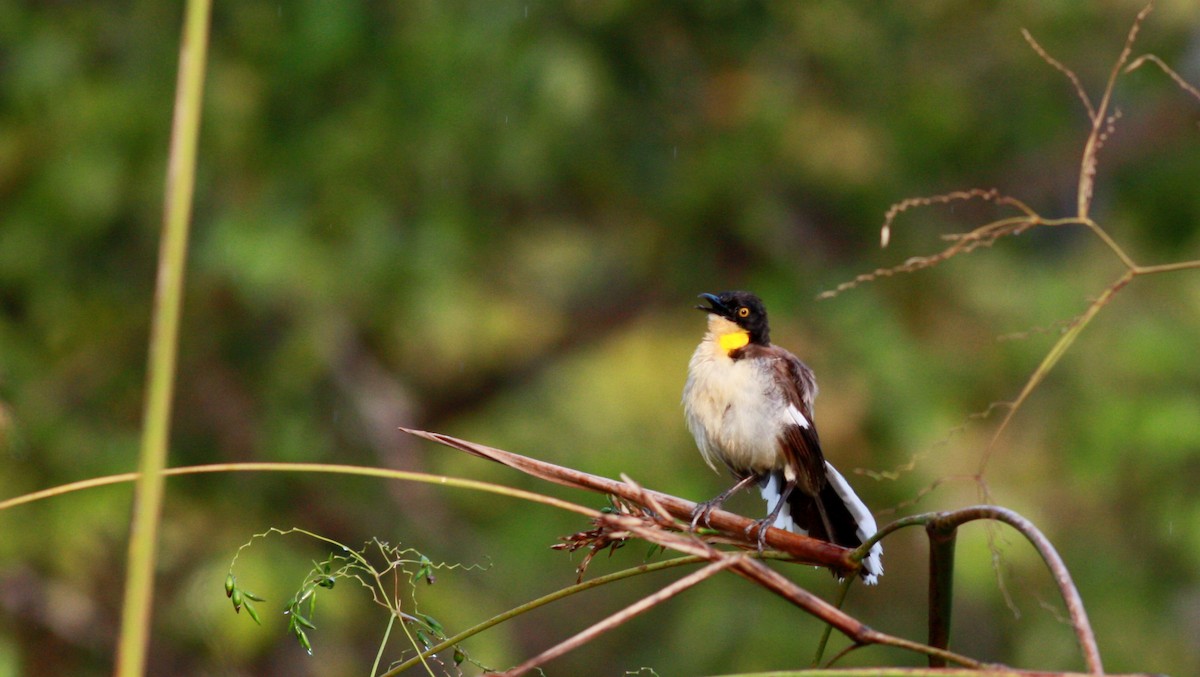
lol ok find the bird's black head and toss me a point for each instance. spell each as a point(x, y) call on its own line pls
point(743, 309)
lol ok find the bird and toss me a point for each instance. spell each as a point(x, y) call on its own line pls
point(749, 405)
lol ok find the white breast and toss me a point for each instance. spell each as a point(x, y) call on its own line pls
point(733, 410)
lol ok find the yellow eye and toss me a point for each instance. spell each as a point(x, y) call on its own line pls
point(743, 312)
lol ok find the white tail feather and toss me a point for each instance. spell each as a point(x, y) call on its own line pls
point(873, 562)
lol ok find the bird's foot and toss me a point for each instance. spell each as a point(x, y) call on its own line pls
point(703, 511)
point(761, 536)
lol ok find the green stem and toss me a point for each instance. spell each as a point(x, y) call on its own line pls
point(320, 468)
point(164, 335)
point(1168, 267)
point(1050, 360)
point(843, 591)
point(941, 587)
point(383, 644)
point(540, 602)
point(1086, 638)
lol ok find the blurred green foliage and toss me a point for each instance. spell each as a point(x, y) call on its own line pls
point(490, 219)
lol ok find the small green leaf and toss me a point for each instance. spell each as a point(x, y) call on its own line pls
point(303, 621)
point(305, 594)
point(252, 612)
point(249, 595)
point(433, 624)
point(303, 639)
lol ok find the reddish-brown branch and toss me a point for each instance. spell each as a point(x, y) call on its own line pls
point(657, 529)
point(734, 527)
point(640, 607)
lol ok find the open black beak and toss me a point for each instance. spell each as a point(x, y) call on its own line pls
point(717, 308)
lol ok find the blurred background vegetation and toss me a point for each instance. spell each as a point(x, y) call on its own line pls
point(491, 219)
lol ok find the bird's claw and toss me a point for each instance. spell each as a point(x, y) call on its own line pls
point(761, 537)
point(702, 512)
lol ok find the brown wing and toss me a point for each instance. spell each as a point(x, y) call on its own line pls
point(799, 444)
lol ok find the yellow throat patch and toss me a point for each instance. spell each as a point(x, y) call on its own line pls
point(733, 340)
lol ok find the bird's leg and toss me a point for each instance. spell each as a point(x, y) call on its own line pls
point(825, 521)
point(769, 520)
point(702, 510)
